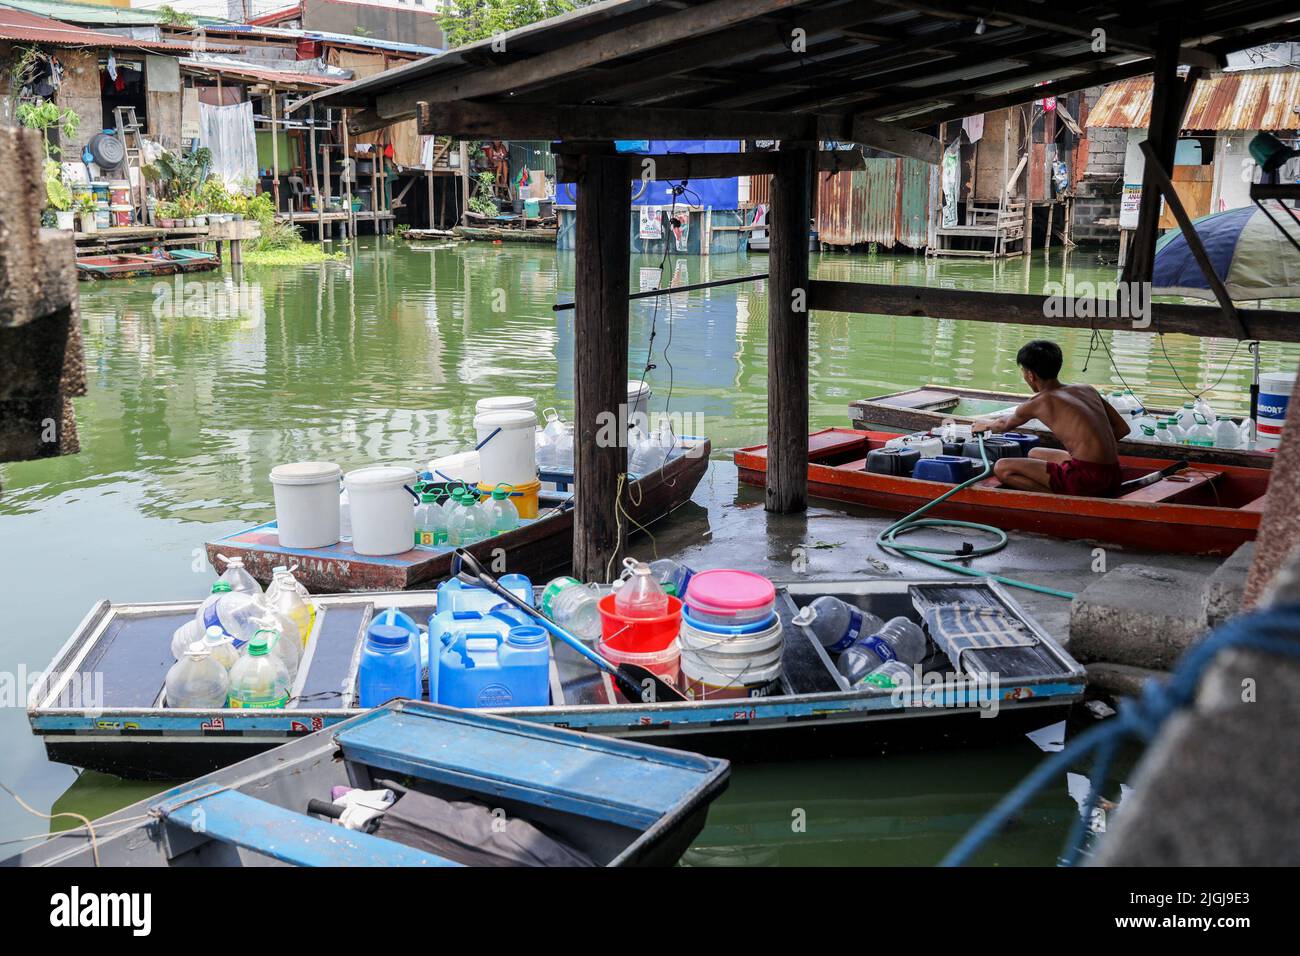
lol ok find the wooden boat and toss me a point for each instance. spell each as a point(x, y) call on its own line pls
point(127, 266)
point(590, 799)
point(536, 548)
point(98, 705)
point(927, 407)
point(1202, 510)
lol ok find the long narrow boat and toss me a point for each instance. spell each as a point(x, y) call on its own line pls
point(99, 704)
point(537, 547)
point(127, 266)
point(569, 799)
point(1203, 510)
point(927, 407)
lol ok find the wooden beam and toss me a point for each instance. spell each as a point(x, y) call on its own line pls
point(1268, 325)
point(600, 332)
point(1169, 95)
point(896, 139)
point(529, 121)
point(787, 333)
point(639, 38)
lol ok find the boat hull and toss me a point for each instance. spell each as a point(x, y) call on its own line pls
point(1167, 527)
point(927, 407)
point(121, 266)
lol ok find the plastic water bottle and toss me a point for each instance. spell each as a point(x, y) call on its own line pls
point(1163, 434)
point(1184, 417)
point(430, 522)
point(197, 681)
point(1175, 430)
point(468, 524)
point(573, 605)
point(1227, 434)
point(219, 645)
point(295, 605)
point(237, 576)
point(640, 596)
point(502, 514)
point(259, 679)
point(389, 666)
point(184, 636)
point(284, 646)
point(232, 611)
point(673, 576)
point(898, 640)
point(1133, 403)
point(563, 448)
point(651, 453)
point(890, 675)
point(1247, 434)
point(837, 623)
point(345, 515)
point(1201, 434)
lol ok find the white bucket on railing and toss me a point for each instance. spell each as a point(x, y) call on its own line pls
point(307, 503)
point(508, 449)
point(731, 662)
point(638, 405)
point(505, 403)
point(1274, 397)
point(382, 510)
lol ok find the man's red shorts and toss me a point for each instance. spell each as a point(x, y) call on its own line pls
point(1086, 478)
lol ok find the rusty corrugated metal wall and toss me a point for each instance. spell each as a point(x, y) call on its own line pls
point(887, 203)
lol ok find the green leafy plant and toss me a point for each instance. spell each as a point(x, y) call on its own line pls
point(175, 177)
point(86, 204)
point(57, 195)
point(167, 209)
point(170, 16)
point(482, 202)
point(215, 197)
point(402, 228)
point(481, 19)
point(46, 116)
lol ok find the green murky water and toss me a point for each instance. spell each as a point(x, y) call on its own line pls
point(196, 392)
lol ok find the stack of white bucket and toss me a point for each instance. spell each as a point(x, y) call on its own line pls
point(1274, 397)
point(731, 641)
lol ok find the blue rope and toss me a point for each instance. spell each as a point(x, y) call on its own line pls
point(1273, 631)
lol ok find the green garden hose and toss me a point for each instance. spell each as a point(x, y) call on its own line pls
point(888, 539)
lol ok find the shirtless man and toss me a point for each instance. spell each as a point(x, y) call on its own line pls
point(1085, 423)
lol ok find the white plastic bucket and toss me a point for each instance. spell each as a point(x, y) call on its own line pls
point(507, 447)
point(307, 503)
point(382, 510)
point(505, 403)
point(1274, 397)
point(460, 467)
point(638, 404)
point(703, 681)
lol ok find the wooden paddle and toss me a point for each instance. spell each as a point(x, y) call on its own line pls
point(636, 682)
point(1134, 483)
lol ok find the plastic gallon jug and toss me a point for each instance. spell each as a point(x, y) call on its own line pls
point(673, 576)
point(502, 515)
point(259, 679)
point(640, 596)
point(220, 647)
point(197, 681)
point(949, 469)
point(899, 639)
point(898, 462)
point(184, 636)
point(307, 504)
point(927, 446)
point(573, 605)
point(837, 624)
point(1227, 434)
point(507, 449)
point(486, 670)
point(237, 576)
point(455, 595)
point(1200, 434)
point(285, 598)
point(284, 642)
point(430, 522)
point(389, 666)
point(232, 611)
point(468, 524)
point(383, 521)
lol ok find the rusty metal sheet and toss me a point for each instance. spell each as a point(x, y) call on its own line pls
point(859, 206)
point(1249, 99)
point(913, 203)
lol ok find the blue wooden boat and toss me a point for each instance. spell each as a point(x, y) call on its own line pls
point(567, 799)
point(119, 265)
point(98, 706)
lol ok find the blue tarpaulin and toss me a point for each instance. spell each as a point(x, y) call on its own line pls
point(707, 193)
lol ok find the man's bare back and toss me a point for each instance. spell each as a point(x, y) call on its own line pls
point(1083, 421)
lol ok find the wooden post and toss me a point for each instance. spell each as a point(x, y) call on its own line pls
point(315, 179)
point(1168, 100)
point(787, 332)
point(464, 180)
point(275, 150)
point(600, 332)
point(346, 175)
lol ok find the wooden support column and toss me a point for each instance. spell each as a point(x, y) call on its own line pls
point(1168, 100)
point(600, 332)
point(787, 332)
point(275, 149)
point(315, 178)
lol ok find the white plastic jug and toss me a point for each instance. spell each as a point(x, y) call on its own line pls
point(507, 448)
point(383, 512)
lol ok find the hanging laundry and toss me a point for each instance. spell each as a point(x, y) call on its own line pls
point(112, 67)
point(973, 127)
point(389, 152)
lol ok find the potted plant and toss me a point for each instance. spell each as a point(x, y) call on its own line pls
point(86, 210)
point(167, 213)
point(57, 196)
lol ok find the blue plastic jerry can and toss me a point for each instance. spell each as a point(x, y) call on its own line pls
point(487, 669)
point(455, 595)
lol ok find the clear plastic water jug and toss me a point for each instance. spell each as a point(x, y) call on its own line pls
point(573, 605)
point(259, 678)
point(389, 666)
point(502, 515)
point(640, 596)
point(899, 639)
point(287, 597)
point(237, 576)
point(1200, 434)
point(197, 681)
point(468, 524)
point(232, 611)
point(184, 636)
point(673, 576)
point(283, 642)
point(430, 522)
point(837, 623)
point(221, 648)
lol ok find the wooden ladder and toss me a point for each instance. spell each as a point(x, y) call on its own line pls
point(128, 134)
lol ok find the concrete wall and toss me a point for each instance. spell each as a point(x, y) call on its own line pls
point(1097, 193)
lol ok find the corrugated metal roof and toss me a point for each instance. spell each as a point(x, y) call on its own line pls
point(1254, 99)
point(94, 14)
point(258, 72)
point(236, 30)
point(23, 27)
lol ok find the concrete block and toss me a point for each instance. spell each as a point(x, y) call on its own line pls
point(1221, 598)
point(1137, 615)
point(1119, 680)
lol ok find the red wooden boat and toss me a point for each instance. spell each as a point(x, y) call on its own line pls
point(1205, 509)
point(119, 265)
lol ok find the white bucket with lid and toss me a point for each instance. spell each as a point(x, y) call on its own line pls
point(505, 403)
point(507, 448)
point(307, 503)
point(733, 652)
point(1274, 397)
point(382, 510)
point(638, 404)
point(703, 681)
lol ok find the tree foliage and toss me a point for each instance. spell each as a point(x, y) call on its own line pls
point(472, 20)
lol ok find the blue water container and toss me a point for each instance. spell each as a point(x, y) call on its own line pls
point(455, 595)
point(483, 669)
point(390, 666)
point(952, 469)
point(1026, 442)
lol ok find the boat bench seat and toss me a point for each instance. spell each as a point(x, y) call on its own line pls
point(229, 816)
point(1256, 506)
point(1167, 488)
point(832, 441)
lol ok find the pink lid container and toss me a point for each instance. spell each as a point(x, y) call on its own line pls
point(724, 596)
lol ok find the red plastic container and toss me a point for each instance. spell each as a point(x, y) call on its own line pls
point(639, 635)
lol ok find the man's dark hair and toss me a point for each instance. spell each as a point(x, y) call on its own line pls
point(1041, 357)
